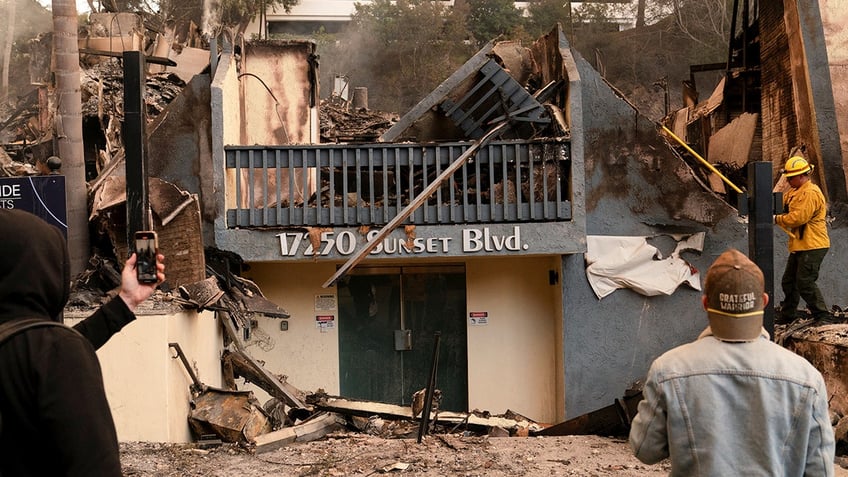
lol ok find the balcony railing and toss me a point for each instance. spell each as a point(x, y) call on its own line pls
point(353, 185)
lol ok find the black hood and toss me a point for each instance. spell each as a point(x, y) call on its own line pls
point(34, 267)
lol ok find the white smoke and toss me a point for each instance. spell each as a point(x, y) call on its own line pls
point(211, 20)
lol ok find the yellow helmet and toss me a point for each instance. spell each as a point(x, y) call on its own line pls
point(795, 166)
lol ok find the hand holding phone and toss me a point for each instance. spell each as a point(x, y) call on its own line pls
point(146, 248)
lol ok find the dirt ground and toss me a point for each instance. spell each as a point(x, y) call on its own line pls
point(345, 454)
point(350, 454)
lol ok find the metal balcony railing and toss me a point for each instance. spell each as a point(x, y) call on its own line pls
point(354, 185)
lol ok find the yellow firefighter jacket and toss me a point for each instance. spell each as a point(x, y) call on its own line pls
point(805, 211)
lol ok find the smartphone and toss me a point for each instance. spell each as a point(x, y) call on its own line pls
point(146, 249)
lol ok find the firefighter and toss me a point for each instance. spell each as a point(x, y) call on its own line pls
point(804, 211)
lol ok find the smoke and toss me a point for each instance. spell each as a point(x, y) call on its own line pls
point(31, 19)
point(20, 21)
point(211, 20)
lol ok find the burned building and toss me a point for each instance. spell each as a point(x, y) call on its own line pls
point(500, 214)
point(392, 244)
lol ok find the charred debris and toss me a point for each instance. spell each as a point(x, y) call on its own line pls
point(207, 278)
point(210, 279)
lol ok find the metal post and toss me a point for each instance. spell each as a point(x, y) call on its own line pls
point(135, 145)
point(761, 231)
point(431, 384)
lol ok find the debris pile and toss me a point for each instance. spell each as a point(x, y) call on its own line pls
point(292, 415)
point(341, 122)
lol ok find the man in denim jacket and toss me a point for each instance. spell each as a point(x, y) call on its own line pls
point(733, 402)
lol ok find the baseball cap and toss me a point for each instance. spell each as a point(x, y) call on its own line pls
point(734, 288)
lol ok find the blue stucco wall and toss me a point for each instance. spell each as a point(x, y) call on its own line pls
point(635, 186)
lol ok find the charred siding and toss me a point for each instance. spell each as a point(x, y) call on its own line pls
point(780, 125)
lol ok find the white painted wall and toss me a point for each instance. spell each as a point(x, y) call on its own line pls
point(309, 356)
point(513, 362)
point(147, 388)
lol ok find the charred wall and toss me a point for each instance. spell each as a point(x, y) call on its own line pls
point(798, 108)
point(635, 186)
point(275, 89)
point(834, 18)
point(180, 147)
point(780, 125)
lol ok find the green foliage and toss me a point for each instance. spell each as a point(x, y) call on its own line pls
point(232, 13)
point(491, 19)
point(544, 14)
point(241, 12)
point(399, 50)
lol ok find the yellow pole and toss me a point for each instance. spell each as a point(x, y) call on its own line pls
point(709, 166)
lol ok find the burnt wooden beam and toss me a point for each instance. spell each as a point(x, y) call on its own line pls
point(472, 421)
point(244, 365)
point(156, 60)
point(612, 420)
point(315, 428)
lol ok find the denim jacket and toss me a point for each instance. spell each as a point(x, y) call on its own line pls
point(717, 408)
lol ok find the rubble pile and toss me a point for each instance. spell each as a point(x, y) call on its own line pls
point(103, 87)
point(26, 131)
point(340, 122)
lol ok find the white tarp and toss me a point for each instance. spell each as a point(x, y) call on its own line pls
point(631, 262)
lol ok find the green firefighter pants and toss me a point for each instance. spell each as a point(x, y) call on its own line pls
point(799, 281)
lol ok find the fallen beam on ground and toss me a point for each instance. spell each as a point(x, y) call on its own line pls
point(315, 428)
point(612, 420)
point(471, 421)
point(251, 369)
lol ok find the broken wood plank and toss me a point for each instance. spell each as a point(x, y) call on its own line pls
point(612, 420)
point(275, 440)
point(315, 428)
point(732, 143)
point(156, 60)
point(264, 378)
point(470, 67)
point(396, 412)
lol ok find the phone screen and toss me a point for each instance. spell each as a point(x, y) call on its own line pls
point(146, 248)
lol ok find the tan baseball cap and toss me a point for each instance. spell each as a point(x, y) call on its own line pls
point(734, 289)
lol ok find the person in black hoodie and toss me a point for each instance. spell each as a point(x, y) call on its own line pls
point(56, 420)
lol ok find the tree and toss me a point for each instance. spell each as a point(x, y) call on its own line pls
point(232, 14)
point(640, 13)
point(214, 15)
point(490, 19)
point(544, 14)
point(400, 50)
point(675, 35)
point(68, 129)
point(704, 22)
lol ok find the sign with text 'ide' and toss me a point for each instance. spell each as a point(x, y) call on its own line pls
point(43, 196)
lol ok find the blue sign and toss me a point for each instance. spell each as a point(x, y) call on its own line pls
point(43, 196)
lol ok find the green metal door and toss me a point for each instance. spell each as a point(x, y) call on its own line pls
point(388, 318)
